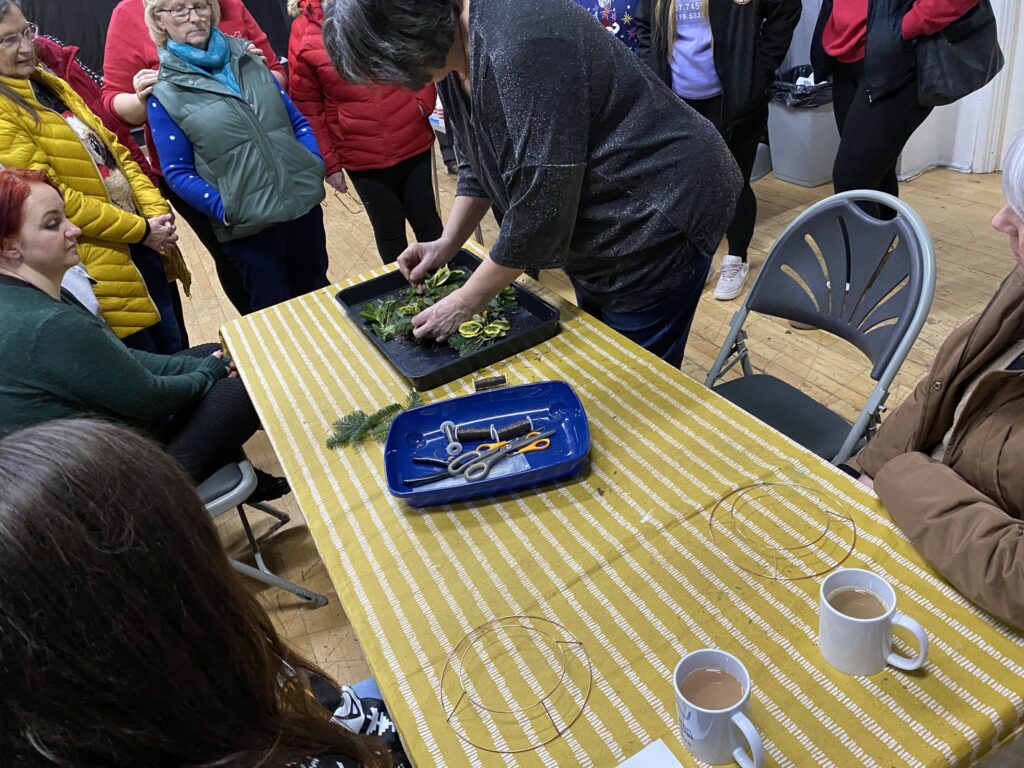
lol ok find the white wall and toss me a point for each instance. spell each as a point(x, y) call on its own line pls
point(972, 134)
point(800, 50)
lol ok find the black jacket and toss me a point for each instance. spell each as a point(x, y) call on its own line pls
point(750, 42)
point(890, 62)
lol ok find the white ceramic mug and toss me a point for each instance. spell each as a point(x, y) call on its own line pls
point(864, 646)
point(718, 736)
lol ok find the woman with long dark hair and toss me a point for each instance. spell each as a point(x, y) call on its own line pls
point(126, 639)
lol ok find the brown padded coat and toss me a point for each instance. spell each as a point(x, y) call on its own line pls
point(963, 514)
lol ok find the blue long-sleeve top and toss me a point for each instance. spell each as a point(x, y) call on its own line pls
point(178, 160)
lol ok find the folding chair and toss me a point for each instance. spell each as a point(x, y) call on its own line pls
point(230, 487)
point(865, 280)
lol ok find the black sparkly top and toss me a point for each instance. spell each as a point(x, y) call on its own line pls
point(595, 165)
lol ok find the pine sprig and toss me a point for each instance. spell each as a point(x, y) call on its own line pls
point(356, 426)
point(466, 346)
point(346, 428)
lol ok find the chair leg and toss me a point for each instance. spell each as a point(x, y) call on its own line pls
point(279, 515)
point(276, 581)
point(262, 572)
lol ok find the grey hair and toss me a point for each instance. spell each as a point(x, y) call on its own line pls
point(390, 41)
point(1013, 175)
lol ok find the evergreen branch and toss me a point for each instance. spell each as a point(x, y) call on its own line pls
point(345, 429)
point(356, 426)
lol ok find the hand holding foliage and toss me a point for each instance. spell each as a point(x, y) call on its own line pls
point(392, 316)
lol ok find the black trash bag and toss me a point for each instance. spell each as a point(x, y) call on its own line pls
point(786, 90)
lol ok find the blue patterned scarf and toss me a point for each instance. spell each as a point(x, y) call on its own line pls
point(214, 61)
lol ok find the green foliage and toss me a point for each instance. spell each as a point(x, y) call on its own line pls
point(392, 316)
point(348, 430)
point(466, 346)
point(505, 303)
point(356, 426)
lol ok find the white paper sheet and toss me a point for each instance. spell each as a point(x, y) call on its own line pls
point(656, 755)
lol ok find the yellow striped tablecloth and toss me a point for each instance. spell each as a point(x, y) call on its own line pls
point(624, 558)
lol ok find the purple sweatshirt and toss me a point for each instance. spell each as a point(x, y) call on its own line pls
point(693, 60)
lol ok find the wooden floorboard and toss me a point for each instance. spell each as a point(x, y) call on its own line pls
point(972, 259)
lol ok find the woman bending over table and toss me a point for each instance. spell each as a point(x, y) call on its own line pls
point(232, 145)
point(126, 639)
point(591, 163)
point(949, 462)
point(59, 361)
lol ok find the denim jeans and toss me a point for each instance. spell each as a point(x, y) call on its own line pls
point(663, 327)
point(282, 261)
point(167, 336)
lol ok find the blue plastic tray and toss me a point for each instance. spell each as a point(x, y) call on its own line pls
point(551, 405)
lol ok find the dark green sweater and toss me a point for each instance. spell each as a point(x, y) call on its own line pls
point(59, 361)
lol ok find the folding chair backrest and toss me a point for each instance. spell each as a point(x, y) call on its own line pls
point(863, 279)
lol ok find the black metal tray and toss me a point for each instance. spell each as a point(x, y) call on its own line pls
point(428, 365)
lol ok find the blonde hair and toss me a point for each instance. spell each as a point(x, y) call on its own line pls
point(664, 22)
point(160, 36)
point(294, 9)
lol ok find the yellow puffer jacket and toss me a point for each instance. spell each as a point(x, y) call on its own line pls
point(107, 231)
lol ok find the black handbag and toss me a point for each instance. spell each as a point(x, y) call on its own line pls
point(959, 59)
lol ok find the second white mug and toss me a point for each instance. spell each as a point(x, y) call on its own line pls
point(863, 646)
point(718, 736)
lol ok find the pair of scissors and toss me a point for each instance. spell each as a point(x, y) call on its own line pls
point(477, 464)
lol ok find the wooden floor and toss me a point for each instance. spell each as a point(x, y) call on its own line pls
point(972, 259)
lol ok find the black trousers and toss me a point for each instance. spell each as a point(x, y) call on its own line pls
point(230, 279)
point(742, 139)
point(211, 433)
point(394, 195)
point(872, 135)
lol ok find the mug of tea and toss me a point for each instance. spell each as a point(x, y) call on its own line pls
point(713, 696)
point(858, 611)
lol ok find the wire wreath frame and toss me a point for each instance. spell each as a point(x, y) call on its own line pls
point(834, 521)
point(455, 668)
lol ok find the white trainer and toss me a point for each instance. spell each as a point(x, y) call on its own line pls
point(731, 278)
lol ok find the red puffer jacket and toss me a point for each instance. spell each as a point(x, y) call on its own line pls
point(358, 127)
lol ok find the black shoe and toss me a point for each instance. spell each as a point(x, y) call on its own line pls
point(268, 487)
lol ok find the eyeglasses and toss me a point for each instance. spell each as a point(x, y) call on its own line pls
point(29, 33)
point(183, 12)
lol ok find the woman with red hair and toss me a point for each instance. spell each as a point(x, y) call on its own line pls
point(59, 361)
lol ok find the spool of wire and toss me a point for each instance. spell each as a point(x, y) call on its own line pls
point(508, 432)
point(472, 434)
point(493, 382)
point(514, 430)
